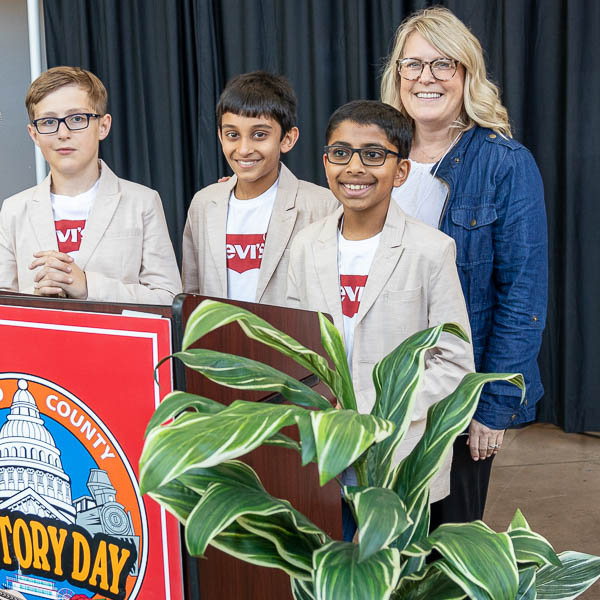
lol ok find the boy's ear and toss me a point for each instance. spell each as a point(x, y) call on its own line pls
point(289, 140)
point(33, 134)
point(219, 134)
point(104, 126)
point(402, 171)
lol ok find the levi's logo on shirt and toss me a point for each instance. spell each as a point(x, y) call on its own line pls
point(68, 234)
point(244, 251)
point(351, 291)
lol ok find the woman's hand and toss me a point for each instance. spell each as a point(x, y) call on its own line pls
point(483, 441)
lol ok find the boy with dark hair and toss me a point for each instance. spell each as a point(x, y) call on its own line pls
point(381, 274)
point(83, 232)
point(238, 232)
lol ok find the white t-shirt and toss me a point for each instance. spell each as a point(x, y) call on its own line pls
point(70, 216)
point(422, 195)
point(354, 263)
point(247, 224)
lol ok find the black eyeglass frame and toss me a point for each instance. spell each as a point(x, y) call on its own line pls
point(60, 120)
point(429, 63)
point(359, 151)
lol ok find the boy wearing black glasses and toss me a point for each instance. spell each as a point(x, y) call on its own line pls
point(83, 233)
point(381, 274)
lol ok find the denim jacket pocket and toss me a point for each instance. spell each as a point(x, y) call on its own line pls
point(473, 234)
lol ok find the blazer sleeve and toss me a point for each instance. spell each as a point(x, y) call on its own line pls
point(158, 280)
point(8, 261)
point(452, 358)
point(190, 267)
point(293, 299)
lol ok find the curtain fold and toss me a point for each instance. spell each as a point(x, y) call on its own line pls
point(165, 63)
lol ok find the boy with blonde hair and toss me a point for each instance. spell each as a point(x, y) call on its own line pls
point(83, 233)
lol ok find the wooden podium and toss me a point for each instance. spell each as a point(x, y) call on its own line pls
point(220, 576)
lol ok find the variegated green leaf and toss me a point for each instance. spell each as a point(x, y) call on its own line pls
point(519, 522)
point(177, 402)
point(177, 498)
point(211, 315)
point(430, 584)
point(302, 590)
point(283, 441)
point(381, 518)
point(295, 538)
point(527, 584)
point(531, 547)
point(253, 549)
point(223, 503)
point(417, 530)
point(341, 436)
point(334, 346)
point(397, 378)
point(475, 556)
point(195, 441)
point(469, 587)
point(198, 479)
point(338, 574)
point(445, 420)
point(246, 374)
point(578, 572)
point(307, 437)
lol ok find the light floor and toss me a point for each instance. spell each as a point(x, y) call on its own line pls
point(554, 478)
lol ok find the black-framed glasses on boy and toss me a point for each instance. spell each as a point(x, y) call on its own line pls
point(442, 69)
point(73, 122)
point(373, 156)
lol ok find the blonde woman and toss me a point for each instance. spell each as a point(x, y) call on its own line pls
point(470, 179)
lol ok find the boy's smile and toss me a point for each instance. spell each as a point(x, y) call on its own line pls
point(364, 189)
point(70, 153)
point(252, 147)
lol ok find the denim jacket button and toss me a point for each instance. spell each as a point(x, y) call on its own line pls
point(457, 160)
point(534, 318)
point(473, 222)
point(492, 135)
point(513, 417)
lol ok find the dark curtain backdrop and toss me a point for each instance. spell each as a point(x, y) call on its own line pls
point(165, 62)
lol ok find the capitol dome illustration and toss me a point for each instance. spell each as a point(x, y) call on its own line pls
point(32, 479)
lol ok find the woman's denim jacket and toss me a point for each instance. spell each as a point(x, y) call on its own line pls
point(495, 212)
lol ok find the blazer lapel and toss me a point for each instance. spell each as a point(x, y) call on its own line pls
point(39, 209)
point(103, 210)
point(385, 260)
point(216, 230)
point(325, 253)
point(281, 226)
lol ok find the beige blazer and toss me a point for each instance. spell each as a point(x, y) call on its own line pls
point(412, 285)
point(125, 249)
point(297, 204)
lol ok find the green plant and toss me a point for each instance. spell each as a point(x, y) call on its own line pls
point(189, 466)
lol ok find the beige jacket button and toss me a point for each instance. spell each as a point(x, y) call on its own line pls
point(473, 222)
point(492, 135)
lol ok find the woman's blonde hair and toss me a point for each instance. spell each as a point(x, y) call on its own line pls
point(443, 30)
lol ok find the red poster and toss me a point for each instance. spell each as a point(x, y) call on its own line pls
point(76, 393)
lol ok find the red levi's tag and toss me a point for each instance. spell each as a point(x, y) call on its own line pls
point(68, 234)
point(351, 291)
point(244, 251)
